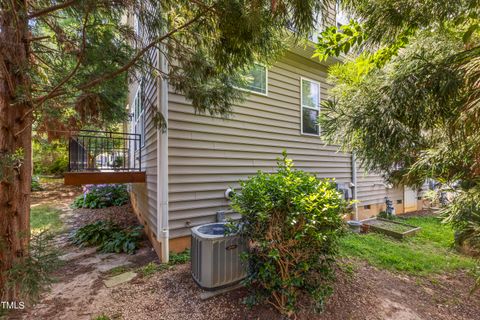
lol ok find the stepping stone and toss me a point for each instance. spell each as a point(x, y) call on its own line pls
point(77, 254)
point(121, 278)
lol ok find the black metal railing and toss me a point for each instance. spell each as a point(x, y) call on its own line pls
point(90, 150)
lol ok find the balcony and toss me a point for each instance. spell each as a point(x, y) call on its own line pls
point(98, 157)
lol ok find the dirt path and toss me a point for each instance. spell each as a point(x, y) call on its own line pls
point(364, 292)
point(79, 288)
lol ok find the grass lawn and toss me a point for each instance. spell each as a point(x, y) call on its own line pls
point(45, 218)
point(430, 251)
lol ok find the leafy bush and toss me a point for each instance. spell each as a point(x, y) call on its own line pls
point(102, 196)
point(36, 186)
point(463, 213)
point(33, 273)
point(109, 237)
point(291, 221)
point(49, 157)
point(385, 215)
point(58, 166)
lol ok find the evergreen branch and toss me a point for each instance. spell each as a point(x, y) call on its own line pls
point(128, 65)
point(38, 38)
point(45, 11)
point(75, 69)
point(66, 79)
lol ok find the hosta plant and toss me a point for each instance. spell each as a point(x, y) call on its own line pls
point(109, 237)
point(102, 196)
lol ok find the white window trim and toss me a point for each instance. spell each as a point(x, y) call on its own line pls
point(302, 106)
point(136, 121)
point(266, 84)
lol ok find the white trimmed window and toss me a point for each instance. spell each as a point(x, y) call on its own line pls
point(310, 106)
point(257, 79)
point(139, 116)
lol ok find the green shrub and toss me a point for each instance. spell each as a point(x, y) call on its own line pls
point(58, 166)
point(102, 196)
point(34, 272)
point(463, 213)
point(291, 221)
point(36, 186)
point(385, 215)
point(109, 237)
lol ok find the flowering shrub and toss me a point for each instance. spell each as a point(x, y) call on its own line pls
point(102, 196)
point(291, 221)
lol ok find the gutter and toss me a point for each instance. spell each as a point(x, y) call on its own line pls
point(162, 160)
point(354, 184)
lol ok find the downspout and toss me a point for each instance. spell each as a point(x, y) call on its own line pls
point(354, 184)
point(162, 159)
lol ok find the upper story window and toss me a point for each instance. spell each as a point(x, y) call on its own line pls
point(138, 121)
point(257, 79)
point(310, 106)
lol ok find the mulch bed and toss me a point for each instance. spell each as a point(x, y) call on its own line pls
point(365, 293)
point(122, 216)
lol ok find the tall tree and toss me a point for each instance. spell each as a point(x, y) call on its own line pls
point(58, 59)
point(407, 98)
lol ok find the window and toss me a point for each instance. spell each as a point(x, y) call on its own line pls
point(310, 105)
point(257, 79)
point(139, 116)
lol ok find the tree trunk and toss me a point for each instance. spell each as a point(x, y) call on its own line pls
point(15, 140)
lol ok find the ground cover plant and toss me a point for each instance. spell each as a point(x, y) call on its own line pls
point(175, 259)
point(292, 222)
point(102, 196)
point(109, 237)
point(430, 251)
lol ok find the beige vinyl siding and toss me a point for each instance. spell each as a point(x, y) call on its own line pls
point(146, 193)
point(207, 155)
point(371, 187)
point(395, 194)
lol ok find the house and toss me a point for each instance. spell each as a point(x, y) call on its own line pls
point(188, 168)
